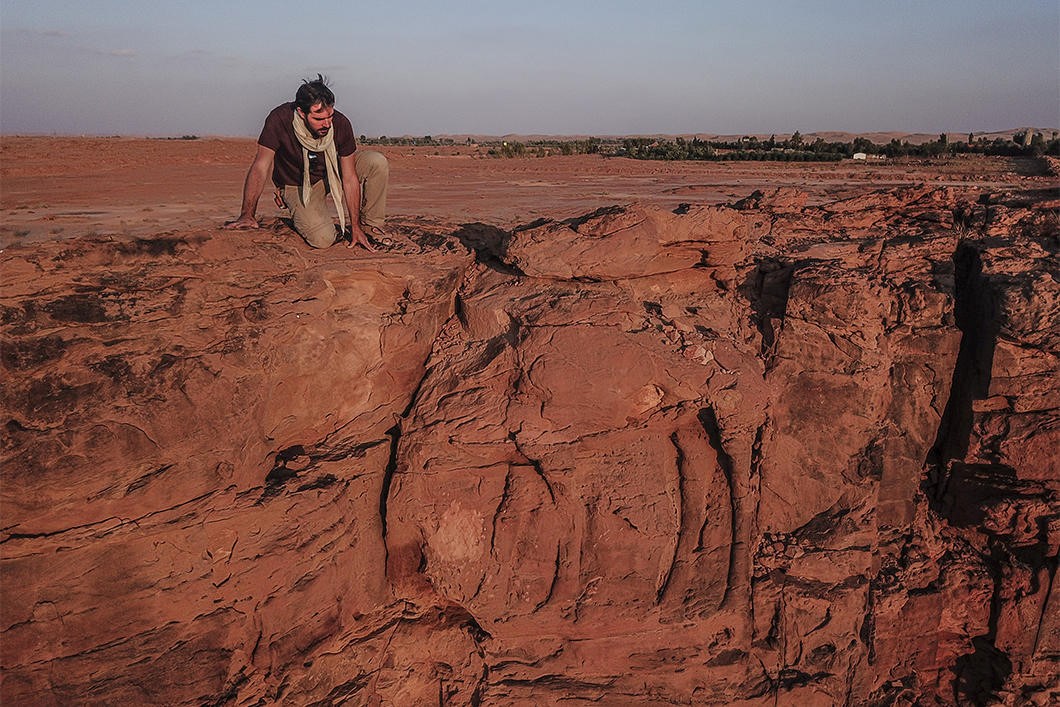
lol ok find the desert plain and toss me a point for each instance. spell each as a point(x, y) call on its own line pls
point(589, 430)
point(141, 187)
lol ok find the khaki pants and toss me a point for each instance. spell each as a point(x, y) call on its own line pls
point(315, 221)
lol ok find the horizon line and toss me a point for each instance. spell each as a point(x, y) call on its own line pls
point(557, 136)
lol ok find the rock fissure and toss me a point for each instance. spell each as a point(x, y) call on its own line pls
point(975, 314)
point(709, 421)
point(679, 502)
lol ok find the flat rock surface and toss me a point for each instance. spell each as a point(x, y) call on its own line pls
point(785, 445)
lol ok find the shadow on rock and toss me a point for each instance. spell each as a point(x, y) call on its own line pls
point(490, 245)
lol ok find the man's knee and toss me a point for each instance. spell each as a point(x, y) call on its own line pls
point(372, 164)
point(319, 235)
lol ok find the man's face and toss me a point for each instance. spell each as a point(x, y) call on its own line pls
point(318, 119)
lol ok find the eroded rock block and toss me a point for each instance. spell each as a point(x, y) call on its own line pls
point(773, 452)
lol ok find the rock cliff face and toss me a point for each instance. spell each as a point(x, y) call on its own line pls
point(755, 454)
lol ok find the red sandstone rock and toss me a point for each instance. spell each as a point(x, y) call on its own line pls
point(770, 453)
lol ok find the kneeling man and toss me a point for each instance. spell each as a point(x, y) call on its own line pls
point(309, 149)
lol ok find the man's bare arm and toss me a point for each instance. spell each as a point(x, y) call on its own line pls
point(257, 177)
point(351, 192)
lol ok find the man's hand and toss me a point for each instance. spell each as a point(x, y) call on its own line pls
point(357, 236)
point(257, 175)
point(243, 223)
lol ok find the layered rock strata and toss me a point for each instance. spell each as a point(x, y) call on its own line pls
point(762, 453)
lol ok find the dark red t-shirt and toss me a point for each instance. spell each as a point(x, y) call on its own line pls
point(278, 135)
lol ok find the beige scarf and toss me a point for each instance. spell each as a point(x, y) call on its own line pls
point(326, 145)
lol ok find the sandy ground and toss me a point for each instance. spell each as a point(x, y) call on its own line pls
point(136, 186)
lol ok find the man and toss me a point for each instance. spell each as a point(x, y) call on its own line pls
point(309, 149)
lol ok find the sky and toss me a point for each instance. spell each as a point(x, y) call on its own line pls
point(495, 67)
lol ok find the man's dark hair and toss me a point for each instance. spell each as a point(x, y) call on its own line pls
point(312, 92)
